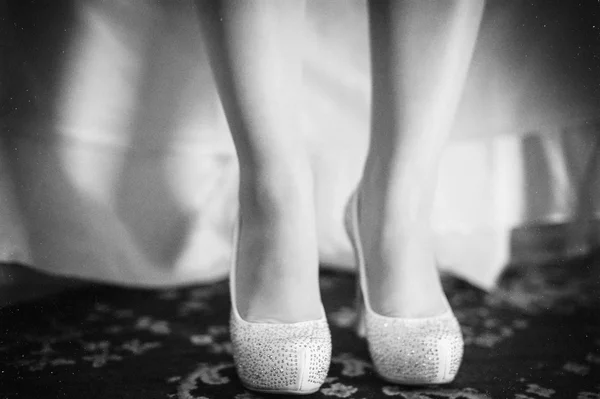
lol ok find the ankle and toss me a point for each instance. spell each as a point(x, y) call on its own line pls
point(404, 206)
point(277, 278)
point(276, 192)
point(398, 250)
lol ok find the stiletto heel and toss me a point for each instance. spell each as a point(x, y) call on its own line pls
point(360, 325)
point(286, 358)
point(411, 351)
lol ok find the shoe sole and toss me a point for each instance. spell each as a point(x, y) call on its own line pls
point(282, 391)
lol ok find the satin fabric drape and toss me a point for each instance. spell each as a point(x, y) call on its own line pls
point(116, 163)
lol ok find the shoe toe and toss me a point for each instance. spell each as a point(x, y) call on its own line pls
point(416, 351)
point(282, 358)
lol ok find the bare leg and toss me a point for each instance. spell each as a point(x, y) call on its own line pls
point(420, 53)
point(255, 51)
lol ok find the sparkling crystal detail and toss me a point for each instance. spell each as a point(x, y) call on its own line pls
point(415, 351)
point(406, 351)
point(272, 357)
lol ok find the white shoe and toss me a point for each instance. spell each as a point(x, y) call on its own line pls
point(410, 351)
point(286, 358)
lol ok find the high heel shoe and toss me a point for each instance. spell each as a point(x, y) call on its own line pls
point(410, 351)
point(286, 358)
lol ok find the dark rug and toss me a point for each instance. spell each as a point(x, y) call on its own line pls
point(537, 336)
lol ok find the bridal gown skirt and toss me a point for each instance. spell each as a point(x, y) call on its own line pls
point(116, 162)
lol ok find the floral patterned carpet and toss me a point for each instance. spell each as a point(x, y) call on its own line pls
point(538, 336)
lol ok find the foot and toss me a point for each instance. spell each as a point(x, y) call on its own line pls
point(277, 266)
point(401, 270)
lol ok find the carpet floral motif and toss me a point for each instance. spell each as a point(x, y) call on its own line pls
point(107, 342)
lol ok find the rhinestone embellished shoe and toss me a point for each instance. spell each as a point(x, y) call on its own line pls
point(286, 358)
point(410, 351)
